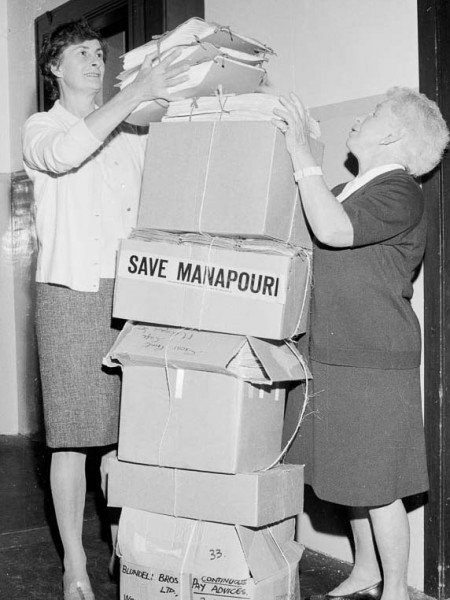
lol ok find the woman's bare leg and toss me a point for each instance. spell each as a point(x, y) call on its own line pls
point(68, 485)
point(111, 513)
point(366, 570)
point(391, 530)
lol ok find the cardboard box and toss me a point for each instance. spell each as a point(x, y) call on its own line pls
point(168, 557)
point(222, 178)
point(242, 287)
point(252, 359)
point(251, 499)
point(198, 420)
point(209, 420)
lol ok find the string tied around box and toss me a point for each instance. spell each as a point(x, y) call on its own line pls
point(208, 162)
point(307, 255)
point(167, 367)
point(288, 444)
point(222, 100)
point(212, 240)
point(185, 583)
point(194, 106)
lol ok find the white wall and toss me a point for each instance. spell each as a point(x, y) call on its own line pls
point(8, 404)
point(340, 57)
point(17, 101)
point(4, 96)
point(22, 79)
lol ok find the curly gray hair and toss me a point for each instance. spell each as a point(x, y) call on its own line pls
point(426, 132)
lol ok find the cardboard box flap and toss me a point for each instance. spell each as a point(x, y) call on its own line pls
point(280, 359)
point(251, 359)
point(145, 344)
point(215, 549)
point(265, 557)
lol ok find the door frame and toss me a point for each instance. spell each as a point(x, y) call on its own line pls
point(434, 77)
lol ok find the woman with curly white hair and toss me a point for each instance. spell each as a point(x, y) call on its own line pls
point(363, 443)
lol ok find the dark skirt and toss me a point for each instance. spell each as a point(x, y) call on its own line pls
point(362, 440)
point(81, 397)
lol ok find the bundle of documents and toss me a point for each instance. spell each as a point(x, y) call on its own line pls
point(195, 32)
point(218, 59)
point(255, 106)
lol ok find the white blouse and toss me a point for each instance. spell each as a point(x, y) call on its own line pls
point(86, 195)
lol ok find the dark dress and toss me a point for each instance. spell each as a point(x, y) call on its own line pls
point(362, 440)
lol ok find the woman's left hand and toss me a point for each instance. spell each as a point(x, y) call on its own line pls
point(293, 121)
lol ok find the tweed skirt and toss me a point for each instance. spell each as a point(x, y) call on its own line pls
point(81, 397)
point(362, 439)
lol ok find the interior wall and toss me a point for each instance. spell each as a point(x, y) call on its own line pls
point(8, 406)
point(22, 78)
point(19, 408)
point(340, 57)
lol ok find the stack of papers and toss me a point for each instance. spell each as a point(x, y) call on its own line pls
point(219, 60)
point(243, 107)
point(194, 32)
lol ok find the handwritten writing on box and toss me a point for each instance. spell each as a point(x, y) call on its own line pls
point(164, 339)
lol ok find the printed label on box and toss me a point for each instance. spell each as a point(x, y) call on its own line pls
point(266, 286)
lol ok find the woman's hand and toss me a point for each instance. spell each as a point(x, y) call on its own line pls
point(326, 216)
point(293, 121)
point(154, 81)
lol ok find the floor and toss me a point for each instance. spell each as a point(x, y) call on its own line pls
point(29, 548)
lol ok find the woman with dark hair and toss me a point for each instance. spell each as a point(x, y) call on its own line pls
point(363, 443)
point(86, 166)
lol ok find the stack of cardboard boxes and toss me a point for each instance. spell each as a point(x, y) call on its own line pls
point(203, 391)
point(214, 282)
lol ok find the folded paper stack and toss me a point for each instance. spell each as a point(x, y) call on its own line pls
point(218, 59)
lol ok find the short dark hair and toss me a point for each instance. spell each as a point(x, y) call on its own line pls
point(54, 44)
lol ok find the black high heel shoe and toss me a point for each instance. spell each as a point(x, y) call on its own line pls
point(372, 592)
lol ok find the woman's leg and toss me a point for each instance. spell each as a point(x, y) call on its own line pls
point(112, 514)
point(68, 485)
point(391, 530)
point(366, 570)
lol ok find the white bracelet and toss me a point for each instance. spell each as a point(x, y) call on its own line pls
point(307, 172)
